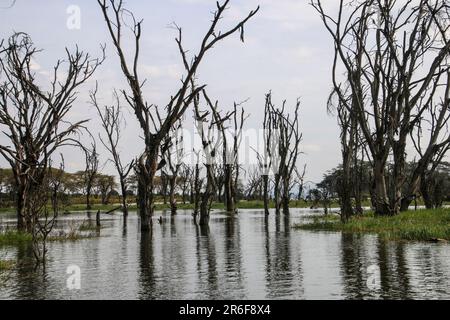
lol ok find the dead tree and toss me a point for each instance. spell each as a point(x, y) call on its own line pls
point(239, 119)
point(185, 177)
point(90, 172)
point(44, 205)
point(212, 139)
point(347, 123)
point(289, 150)
point(154, 126)
point(173, 157)
point(230, 150)
point(394, 55)
point(268, 159)
point(282, 145)
point(254, 183)
point(196, 185)
point(433, 152)
point(111, 118)
point(300, 181)
point(35, 120)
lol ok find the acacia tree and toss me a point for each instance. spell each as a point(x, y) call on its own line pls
point(90, 172)
point(111, 118)
point(154, 126)
point(34, 120)
point(105, 185)
point(394, 55)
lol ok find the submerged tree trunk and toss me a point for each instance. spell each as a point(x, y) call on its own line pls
point(205, 204)
point(266, 194)
point(146, 170)
point(276, 191)
point(172, 199)
point(124, 197)
point(20, 203)
point(286, 197)
point(230, 203)
point(196, 192)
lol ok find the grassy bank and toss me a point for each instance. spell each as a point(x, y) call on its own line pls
point(256, 204)
point(243, 204)
point(423, 225)
point(12, 237)
point(6, 265)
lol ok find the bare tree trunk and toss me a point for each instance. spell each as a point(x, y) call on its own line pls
point(20, 203)
point(266, 194)
point(381, 202)
point(276, 192)
point(123, 189)
point(286, 196)
point(228, 186)
point(196, 191)
point(155, 126)
point(172, 199)
point(206, 196)
point(146, 170)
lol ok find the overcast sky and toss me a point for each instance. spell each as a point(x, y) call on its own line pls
point(286, 50)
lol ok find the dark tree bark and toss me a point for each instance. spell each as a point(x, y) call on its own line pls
point(90, 172)
point(393, 70)
point(111, 118)
point(155, 127)
point(282, 144)
point(173, 160)
point(33, 120)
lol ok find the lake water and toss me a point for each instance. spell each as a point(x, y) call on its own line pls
point(246, 256)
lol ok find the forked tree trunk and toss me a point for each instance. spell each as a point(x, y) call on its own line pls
point(146, 171)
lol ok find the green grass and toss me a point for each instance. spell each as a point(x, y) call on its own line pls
point(12, 237)
point(243, 204)
point(77, 232)
point(422, 225)
point(6, 265)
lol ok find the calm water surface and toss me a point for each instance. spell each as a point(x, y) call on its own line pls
point(241, 257)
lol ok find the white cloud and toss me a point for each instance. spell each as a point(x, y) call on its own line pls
point(34, 65)
point(172, 71)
